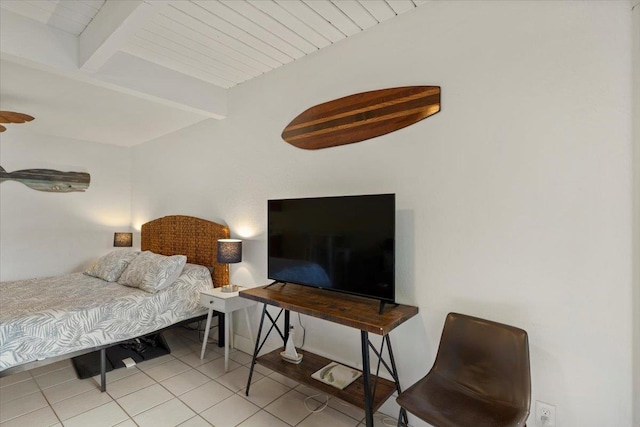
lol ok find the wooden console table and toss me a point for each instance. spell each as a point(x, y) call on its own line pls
point(369, 391)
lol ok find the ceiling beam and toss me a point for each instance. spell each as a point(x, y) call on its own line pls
point(27, 40)
point(36, 45)
point(111, 28)
point(164, 85)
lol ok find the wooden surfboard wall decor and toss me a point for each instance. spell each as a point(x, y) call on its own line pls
point(362, 116)
point(48, 179)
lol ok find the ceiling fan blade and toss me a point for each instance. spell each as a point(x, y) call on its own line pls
point(2, 128)
point(13, 117)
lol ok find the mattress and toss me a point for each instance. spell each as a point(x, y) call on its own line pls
point(41, 318)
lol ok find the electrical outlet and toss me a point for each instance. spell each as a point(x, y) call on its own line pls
point(545, 414)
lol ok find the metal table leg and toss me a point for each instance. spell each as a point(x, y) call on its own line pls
point(366, 376)
point(403, 414)
point(257, 348)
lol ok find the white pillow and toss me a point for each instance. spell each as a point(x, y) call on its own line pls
point(153, 272)
point(109, 267)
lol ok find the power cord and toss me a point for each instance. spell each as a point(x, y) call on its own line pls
point(304, 331)
point(387, 420)
point(200, 328)
point(319, 409)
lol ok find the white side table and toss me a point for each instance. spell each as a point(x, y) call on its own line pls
point(227, 303)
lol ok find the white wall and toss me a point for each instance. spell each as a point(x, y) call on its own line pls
point(514, 202)
point(45, 234)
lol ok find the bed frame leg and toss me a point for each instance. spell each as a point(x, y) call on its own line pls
point(103, 370)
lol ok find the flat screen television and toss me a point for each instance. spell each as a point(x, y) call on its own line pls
point(344, 244)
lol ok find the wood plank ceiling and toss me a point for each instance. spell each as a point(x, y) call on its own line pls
point(227, 42)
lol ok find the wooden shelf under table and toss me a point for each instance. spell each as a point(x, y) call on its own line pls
point(353, 394)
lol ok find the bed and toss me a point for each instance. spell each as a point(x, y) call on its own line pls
point(50, 319)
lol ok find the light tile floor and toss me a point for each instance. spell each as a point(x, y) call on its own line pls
point(178, 389)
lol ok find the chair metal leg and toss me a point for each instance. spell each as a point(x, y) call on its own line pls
point(402, 418)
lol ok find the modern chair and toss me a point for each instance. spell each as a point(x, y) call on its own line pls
point(480, 378)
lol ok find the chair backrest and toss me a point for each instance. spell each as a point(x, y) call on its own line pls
point(489, 358)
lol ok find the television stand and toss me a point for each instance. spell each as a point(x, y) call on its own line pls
point(369, 391)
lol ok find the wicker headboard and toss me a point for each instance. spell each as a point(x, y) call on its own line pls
point(186, 235)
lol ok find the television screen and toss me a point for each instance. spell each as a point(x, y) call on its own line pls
point(344, 243)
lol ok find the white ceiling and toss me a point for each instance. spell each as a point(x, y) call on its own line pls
point(104, 52)
point(75, 109)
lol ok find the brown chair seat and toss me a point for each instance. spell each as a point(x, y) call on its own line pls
point(436, 401)
point(480, 377)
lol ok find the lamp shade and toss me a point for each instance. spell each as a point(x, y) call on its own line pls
point(229, 251)
point(123, 240)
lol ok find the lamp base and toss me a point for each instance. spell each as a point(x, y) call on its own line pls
point(230, 288)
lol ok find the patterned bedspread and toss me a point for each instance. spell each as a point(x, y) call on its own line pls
point(48, 317)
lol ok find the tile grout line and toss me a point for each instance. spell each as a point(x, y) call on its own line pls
point(310, 411)
point(28, 394)
point(118, 403)
point(47, 400)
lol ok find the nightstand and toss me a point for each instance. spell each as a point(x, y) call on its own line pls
point(227, 303)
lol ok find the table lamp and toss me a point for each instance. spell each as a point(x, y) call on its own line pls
point(122, 240)
point(229, 252)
